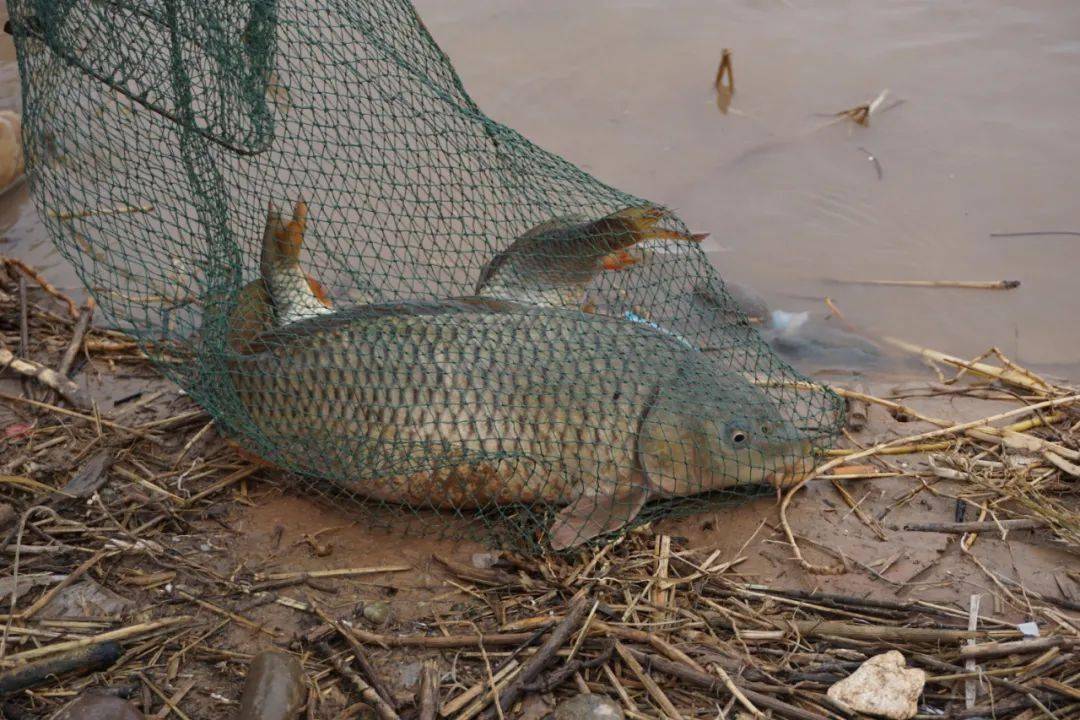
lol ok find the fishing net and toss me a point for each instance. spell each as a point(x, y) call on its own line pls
point(310, 226)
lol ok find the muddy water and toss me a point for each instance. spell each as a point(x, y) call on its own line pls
point(985, 141)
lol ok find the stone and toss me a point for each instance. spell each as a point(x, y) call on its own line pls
point(99, 707)
point(408, 674)
point(274, 689)
point(589, 707)
point(485, 560)
point(87, 598)
point(882, 686)
point(12, 162)
point(377, 612)
point(91, 476)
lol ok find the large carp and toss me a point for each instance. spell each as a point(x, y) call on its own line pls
point(474, 403)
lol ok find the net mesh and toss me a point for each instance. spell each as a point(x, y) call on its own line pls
point(310, 226)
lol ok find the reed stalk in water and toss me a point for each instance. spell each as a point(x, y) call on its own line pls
point(963, 284)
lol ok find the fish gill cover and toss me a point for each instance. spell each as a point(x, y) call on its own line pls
point(310, 226)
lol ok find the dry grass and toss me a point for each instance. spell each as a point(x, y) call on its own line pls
point(663, 628)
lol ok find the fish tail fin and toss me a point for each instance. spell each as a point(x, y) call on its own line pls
point(290, 238)
point(273, 228)
point(252, 315)
point(294, 234)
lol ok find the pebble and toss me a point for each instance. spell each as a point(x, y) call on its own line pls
point(882, 686)
point(589, 707)
point(274, 689)
point(377, 612)
point(99, 707)
point(87, 598)
point(485, 560)
point(409, 675)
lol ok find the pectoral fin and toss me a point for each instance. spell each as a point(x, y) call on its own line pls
point(318, 290)
point(593, 515)
point(250, 317)
point(618, 260)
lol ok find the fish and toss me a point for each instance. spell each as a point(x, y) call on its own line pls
point(475, 403)
point(295, 295)
point(550, 265)
point(553, 263)
point(12, 162)
point(283, 293)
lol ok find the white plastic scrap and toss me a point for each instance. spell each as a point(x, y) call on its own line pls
point(787, 322)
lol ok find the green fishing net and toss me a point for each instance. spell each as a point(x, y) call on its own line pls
point(472, 326)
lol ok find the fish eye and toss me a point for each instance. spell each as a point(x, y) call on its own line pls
point(738, 437)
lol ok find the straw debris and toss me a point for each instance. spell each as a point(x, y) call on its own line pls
point(724, 82)
point(651, 621)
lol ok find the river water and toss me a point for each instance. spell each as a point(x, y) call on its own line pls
point(985, 140)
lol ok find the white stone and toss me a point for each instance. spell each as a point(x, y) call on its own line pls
point(883, 686)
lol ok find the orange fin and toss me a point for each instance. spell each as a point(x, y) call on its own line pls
point(593, 515)
point(274, 223)
point(318, 290)
point(248, 455)
point(618, 260)
point(290, 238)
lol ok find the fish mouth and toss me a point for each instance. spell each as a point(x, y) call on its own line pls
point(791, 473)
